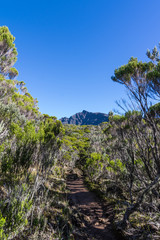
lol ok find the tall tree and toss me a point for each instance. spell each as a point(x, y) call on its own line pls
point(143, 83)
point(8, 51)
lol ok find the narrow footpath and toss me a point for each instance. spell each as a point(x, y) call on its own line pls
point(95, 219)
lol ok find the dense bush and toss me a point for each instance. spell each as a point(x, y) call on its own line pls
point(29, 145)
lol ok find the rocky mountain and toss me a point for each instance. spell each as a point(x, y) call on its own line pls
point(85, 118)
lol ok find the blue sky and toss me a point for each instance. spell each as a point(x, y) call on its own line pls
point(68, 49)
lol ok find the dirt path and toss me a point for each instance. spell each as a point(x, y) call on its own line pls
point(95, 220)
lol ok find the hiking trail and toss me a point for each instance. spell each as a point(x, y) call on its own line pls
point(95, 219)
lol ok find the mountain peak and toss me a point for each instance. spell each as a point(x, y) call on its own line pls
point(85, 118)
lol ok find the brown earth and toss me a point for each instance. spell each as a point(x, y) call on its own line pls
point(95, 219)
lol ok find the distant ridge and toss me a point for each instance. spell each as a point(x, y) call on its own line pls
point(85, 118)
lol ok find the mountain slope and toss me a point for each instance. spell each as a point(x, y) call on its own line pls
point(85, 118)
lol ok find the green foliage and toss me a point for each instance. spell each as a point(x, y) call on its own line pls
point(115, 166)
point(52, 128)
point(127, 72)
point(117, 118)
point(8, 51)
point(155, 110)
point(2, 224)
point(94, 166)
point(17, 210)
point(12, 73)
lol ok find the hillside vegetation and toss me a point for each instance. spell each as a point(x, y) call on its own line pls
point(120, 159)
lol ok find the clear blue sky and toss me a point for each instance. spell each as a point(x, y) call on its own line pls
point(68, 49)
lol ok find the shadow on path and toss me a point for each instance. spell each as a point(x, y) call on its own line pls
point(96, 223)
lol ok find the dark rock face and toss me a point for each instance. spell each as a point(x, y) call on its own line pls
point(86, 118)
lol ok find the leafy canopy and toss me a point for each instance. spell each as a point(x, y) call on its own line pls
point(8, 52)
